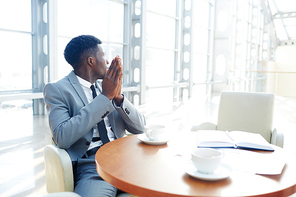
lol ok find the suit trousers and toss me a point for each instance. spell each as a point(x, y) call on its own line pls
point(87, 181)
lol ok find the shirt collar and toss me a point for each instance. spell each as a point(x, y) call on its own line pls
point(84, 82)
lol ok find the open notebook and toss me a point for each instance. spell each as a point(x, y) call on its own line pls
point(232, 139)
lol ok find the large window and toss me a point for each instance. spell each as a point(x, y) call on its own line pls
point(251, 47)
point(171, 49)
point(162, 50)
point(103, 19)
point(16, 46)
point(202, 30)
point(15, 54)
point(197, 47)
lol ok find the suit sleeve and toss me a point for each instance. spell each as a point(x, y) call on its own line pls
point(67, 126)
point(134, 120)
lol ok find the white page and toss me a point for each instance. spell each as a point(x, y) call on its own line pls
point(213, 138)
point(266, 163)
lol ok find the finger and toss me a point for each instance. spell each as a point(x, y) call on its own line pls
point(110, 73)
point(114, 74)
point(120, 76)
point(117, 75)
point(120, 63)
point(115, 69)
point(120, 72)
point(117, 61)
point(120, 80)
point(111, 66)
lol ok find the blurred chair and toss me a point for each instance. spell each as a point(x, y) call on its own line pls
point(58, 170)
point(246, 111)
point(59, 173)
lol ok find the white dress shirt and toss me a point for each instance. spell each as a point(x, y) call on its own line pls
point(88, 92)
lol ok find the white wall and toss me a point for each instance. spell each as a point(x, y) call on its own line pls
point(283, 84)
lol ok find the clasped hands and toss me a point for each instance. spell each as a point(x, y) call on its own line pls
point(112, 81)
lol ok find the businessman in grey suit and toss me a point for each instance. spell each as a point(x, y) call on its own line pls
point(84, 115)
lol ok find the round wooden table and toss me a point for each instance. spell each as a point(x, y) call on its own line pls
point(149, 170)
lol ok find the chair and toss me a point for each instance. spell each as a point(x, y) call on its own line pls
point(246, 111)
point(59, 173)
point(58, 170)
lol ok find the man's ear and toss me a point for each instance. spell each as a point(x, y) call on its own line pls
point(90, 61)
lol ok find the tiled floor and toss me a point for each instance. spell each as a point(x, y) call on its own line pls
point(23, 137)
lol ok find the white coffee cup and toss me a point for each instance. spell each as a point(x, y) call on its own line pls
point(155, 132)
point(206, 160)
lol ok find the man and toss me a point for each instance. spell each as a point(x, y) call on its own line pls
point(77, 112)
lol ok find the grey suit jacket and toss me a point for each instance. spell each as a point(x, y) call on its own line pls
point(71, 117)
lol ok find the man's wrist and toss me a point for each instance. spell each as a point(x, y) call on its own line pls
point(118, 100)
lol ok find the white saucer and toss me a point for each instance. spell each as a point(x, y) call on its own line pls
point(144, 139)
point(222, 172)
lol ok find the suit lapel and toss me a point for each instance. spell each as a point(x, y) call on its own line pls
point(80, 92)
point(77, 86)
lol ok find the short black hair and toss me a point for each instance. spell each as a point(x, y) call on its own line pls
point(77, 47)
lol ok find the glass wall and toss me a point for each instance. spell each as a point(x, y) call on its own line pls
point(103, 19)
point(190, 48)
point(15, 52)
point(251, 46)
point(202, 39)
point(162, 27)
point(16, 46)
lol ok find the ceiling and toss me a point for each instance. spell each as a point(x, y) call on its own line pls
point(283, 14)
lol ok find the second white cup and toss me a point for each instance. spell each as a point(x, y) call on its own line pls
point(206, 160)
point(155, 132)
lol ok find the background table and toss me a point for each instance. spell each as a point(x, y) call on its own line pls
point(147, 170)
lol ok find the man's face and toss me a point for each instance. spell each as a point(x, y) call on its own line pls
point(101, 63)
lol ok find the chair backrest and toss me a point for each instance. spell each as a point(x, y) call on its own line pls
point(58, 170)
point(246, 111)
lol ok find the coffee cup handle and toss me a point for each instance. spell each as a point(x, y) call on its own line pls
point(148, 133)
